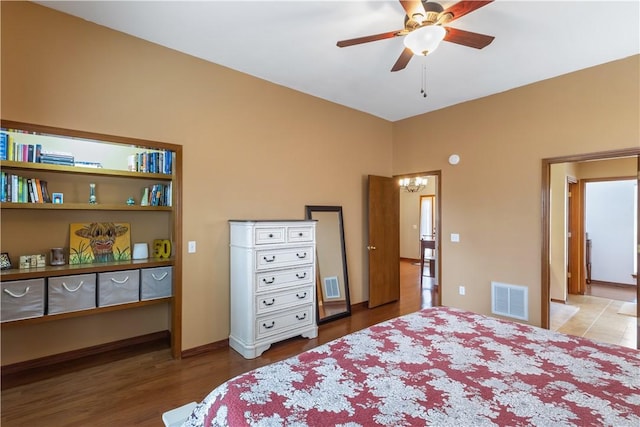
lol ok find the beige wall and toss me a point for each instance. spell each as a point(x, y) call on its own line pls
point(256, 150)
point(252, 149)
point(493, 196)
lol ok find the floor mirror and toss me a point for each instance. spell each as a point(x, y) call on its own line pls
point(332, 280)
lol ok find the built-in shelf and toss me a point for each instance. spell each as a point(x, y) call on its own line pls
point(34, 228)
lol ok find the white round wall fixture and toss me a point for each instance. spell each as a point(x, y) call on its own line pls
point(454, 159)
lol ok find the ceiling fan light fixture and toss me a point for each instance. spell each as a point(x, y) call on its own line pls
point(425, 40)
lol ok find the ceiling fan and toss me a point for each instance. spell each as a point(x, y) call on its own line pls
point(424, 28)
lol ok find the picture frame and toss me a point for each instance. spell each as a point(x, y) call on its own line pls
point(98, 242)
point(57, 198)
point(5, 261)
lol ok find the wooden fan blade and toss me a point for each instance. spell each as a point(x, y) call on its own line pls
point(411, 7)
point(367, 39)
point(467, 38)
point(403, 60)
point(460, 9)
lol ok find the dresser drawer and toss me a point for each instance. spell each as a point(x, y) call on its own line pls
point(300, 234)
point(22, 299)
point(155, 283)
point(269, 235)
point(270, 280)
point(280, 300)
point(118, 287)
point(279, 258)
point(284, 321)
point(71, 293)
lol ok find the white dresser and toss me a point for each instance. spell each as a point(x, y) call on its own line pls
point(272, 283)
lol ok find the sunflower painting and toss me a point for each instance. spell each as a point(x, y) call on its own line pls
point(99, 242)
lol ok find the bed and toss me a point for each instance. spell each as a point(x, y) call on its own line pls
point(439, 366)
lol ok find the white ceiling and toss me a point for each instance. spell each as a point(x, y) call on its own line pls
point(293, 44)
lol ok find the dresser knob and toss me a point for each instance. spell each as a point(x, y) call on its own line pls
point(273, 258)
point(304, 316)
point(303, 275)
point(273, 300)
point(304, 295)
point(268, 282)
point(303, 256)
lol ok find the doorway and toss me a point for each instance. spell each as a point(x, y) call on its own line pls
point(573, 250)
point(420, 224)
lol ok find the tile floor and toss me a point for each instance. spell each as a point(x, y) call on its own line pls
point(596, 318)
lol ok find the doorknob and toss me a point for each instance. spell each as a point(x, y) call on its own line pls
point(371, 248)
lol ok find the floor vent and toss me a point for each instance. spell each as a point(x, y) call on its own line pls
point(510, 300)
point(331, 288)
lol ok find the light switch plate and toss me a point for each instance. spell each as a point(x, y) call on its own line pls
point(455, 237)
point(192, 247)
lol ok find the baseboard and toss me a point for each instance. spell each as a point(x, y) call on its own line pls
point(195, 351)
point(360, 306)
point(49, 366)
point(618, 285)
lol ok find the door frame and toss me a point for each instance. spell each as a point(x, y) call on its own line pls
point(576, 242)
point(546, 215)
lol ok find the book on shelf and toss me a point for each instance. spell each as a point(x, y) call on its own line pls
point(38, 190)
point(86, 164)
point(4, 145)
point(46, 197)
point(33, 193)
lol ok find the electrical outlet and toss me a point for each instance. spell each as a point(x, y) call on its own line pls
point(192, 247)
point(462, 290)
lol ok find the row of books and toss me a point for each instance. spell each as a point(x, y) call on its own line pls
point(18, 189)
point(151, 162)
point(146, 162)
point(32, 153)
point(157, 195)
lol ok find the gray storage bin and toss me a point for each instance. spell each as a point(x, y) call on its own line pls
point(118, 287)
point(22, 299)
point(155, 283)
point(71, 293)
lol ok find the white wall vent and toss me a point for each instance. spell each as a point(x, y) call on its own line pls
point(510, 300)
point(331, 288)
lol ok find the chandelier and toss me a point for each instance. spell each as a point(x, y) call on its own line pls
point(413, 185)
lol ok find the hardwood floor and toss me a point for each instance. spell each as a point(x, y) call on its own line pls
point(138, 389)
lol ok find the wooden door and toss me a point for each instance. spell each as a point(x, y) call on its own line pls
point(384, 241)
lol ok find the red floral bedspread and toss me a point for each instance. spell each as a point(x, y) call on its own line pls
point(440, 367)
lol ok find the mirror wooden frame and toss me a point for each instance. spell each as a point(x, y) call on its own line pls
point(321, 304)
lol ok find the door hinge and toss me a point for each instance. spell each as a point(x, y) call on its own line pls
point(568, 275)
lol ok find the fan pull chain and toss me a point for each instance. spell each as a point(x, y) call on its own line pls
point(423, 89)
